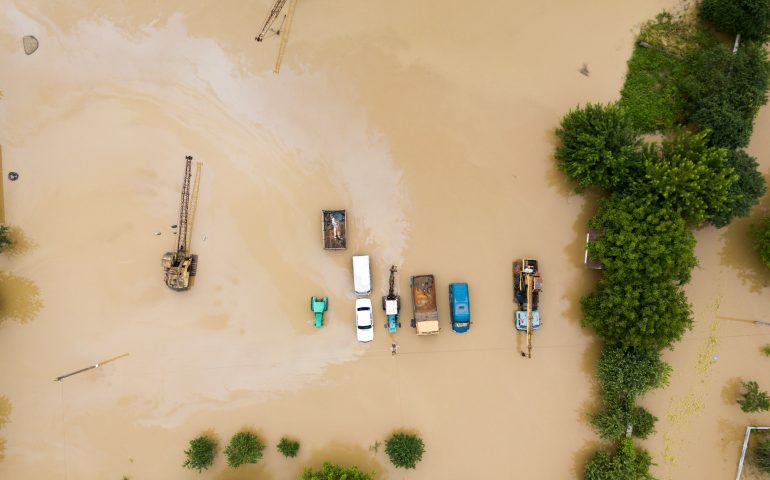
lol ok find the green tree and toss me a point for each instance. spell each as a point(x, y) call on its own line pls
point(686, 174)
point(723, 91)
point(631, 372)
point(288, 448)
point(620, 416)
point(5, 237)
point(244, 447)
point(750, 18)
point(762, 456)
point(643, 315)
point(628, 463)
point(760, 234)
point(598, 146)
point(745, 192)
point(404, 449)
point(753, 399)
point(642, 241)
point(201, 453)
point(330, 471)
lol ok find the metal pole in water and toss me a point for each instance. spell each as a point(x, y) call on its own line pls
point(96, 365)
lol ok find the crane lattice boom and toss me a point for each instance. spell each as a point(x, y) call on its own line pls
point(181, 241)
point(271, 18)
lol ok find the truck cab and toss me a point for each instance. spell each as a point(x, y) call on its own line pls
point(459, 307)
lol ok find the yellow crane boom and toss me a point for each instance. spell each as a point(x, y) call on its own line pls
point(285, 36)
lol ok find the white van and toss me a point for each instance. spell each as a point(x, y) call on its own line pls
point(362, 279)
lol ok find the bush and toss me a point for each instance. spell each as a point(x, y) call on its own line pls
point(404, 449)
point(330, 471)
point(760, 234)
point(766, 350)
point(201, 453)
point(244, 447)
point(631, 372)
point(753, 399)
point(597, 147)
point(687, 175)
point(745, 192)
point(724, 91)
point(628, 463)
point(642, 241)
point(762, 456)
point(637, 316)
point(750, 18)
point(5, 237)
point(288, 448)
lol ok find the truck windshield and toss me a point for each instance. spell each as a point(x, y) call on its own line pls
point(364, 327)
point(361, 309)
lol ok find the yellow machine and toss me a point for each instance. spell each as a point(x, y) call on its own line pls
point(180, 265)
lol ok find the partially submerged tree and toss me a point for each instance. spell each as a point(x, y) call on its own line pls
point(620, 417)
point(598, 146)
point(5, 237)
point(628, 463)
point(750, 18)
point(753, 399)
point(745, 192)
point(643, 315)
point(330, 471)
point(288, 448)
point(201, 453)
point(244, 447)
point(631, 372)
point(405, 450)
point(760, 234)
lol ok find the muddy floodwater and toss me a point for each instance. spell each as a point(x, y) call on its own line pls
point(432, 124)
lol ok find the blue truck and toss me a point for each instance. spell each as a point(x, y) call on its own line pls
point(459, 307)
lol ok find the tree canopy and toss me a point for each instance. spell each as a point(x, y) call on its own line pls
point(642, 241)
point(244, 447)
point(598, 146)
point(745, 191)
point(404, 449)
point(5, 237)
point(628, 463)
point(750, 18)
point(760, 234)
point(288, 448)
point(330, 471)
point(631, 372)
point(753, 399)
point(201, 453)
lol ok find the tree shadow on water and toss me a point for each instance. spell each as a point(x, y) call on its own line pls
point(738, 250)
point(246, 472)
point(21, 243)
point(19, 298)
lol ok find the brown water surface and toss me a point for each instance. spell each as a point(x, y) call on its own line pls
point(432, 123)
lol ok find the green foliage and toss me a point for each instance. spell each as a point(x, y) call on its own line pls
point(288, 448)
point(404, 449)
point(745, 192)
point(628, 463)
point(750, 18)
point(201, 453)
point(330, 471)
point(753, 399)
point(642, 241)
point(244, 447)
point(724, 91)
point(5, 237)
point(637, 315)
point(631, 372)
point(766, 350)
point(686, 174)
point(760, 234)
point(762, 456)
point(616, 415)
point(597, 146)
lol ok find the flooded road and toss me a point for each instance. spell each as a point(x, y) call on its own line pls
point(432, 124)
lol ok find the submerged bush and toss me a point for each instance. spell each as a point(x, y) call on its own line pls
point(330, 471)
point(244, 447)
point(404, 449)
point(597, 146)
point(745, 191)
point(753, 399)
point(201, 453)
point(750, 18)
point(288, 448)
point(762, 456)
point(628, 463)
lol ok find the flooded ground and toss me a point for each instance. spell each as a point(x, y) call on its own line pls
point(432, 124)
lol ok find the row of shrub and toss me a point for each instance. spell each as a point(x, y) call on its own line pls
point(404, 450)
point(703, 99)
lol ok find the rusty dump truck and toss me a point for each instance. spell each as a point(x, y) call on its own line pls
point(424, 308)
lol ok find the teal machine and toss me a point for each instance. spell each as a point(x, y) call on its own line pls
point(392, 303)
point(319, 307)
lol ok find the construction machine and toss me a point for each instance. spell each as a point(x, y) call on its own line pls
point(282, 30)
point(392, 303)
point(527, 285)
point(180, 265)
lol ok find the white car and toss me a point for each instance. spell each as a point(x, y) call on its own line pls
point(364, 322)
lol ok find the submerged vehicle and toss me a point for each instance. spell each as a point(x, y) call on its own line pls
point(459, 307)
point(391, 303)
point(527, 285)
point(333, 229)
point(364, 321)
point(362, 278)
point(424, 309)
point(180, 265)
point(319, 307)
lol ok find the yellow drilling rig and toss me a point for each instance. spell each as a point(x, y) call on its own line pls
point(180, 265)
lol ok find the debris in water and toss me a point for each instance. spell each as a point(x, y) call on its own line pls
point(204, 238)
point(584, 70)
point(13, 176)
point(174, 226)
point(30, 44)
point(157, 233)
